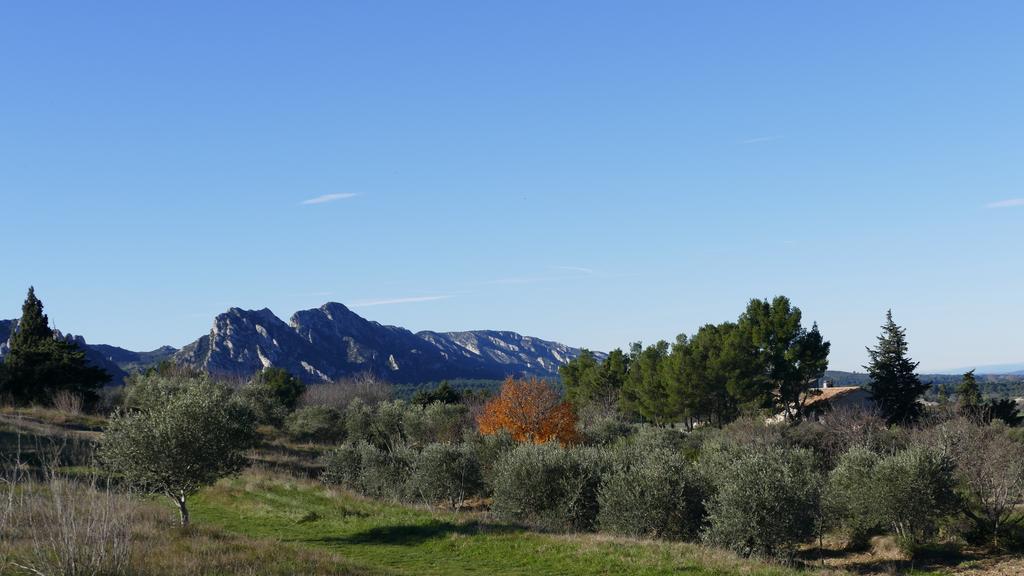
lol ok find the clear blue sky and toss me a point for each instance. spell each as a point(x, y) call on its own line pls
point(590, 172)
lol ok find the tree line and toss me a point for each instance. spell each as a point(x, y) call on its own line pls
point(765, 361)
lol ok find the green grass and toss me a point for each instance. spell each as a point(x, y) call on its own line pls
point(404, 540)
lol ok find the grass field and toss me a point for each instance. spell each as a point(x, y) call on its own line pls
point(402, 540)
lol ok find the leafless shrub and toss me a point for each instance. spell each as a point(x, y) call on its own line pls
point(990, 471)
point(853, 426)
point(67, 402)
point(365, 386)
point(54, 524)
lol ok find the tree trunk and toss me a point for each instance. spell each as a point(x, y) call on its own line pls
point(182, 510)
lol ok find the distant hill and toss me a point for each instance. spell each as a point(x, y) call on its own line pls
point(331, 341)
point(992, 385)
point(1016, 369)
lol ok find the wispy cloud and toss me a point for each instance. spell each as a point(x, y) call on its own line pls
point(579, 269)
point(516, 280)
point(329, 198)
point(406, 300)
point(760, 139)
point(1011, 203)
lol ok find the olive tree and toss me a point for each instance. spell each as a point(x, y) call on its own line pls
point(196, 436)
point(449, 473)
point(765, 502)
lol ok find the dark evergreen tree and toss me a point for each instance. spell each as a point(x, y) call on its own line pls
point(589, 382)
point(34, 326)
point(705, 375)
point(894, 385)
point(646, 389)
point(1004, 409)
point(39, 365)
point(444, 394)
point(967, 392)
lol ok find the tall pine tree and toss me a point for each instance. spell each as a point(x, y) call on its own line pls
point(894, 384)
point(39, 365)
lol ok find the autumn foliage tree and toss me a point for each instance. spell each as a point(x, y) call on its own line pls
point(530, 411)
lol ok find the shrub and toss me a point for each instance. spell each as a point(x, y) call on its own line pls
point(651, 494)
point(369, 470)
point(990, 476)
point(913, 490)
point(448, 473)
point(489, 450)
point(549, 487)
point(366, 387)
point(850, 496)
point(343, 466)
point(386, 473)
point(272, 395)
point(435, 422)
point(315, 424)
point(153, 389)
point(765, 502)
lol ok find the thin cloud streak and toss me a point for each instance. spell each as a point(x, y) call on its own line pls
point(329, 198)
point(760, 139)
point(1011, 203)
point(579, 269)
point(407, 300)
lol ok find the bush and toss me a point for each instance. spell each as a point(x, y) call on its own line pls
point(272, 395)
point(549, 487)
point(905, 493)
point(447, 473)
point(850, 496)
point(435, 422)
point(369, 470)
point(315, 424)
point(153, 389)
point(990, 476)
point(343, 466)
point(913, 490)
point(489, 449)
point(765, 502)
point(651, 494)
point(366, 387)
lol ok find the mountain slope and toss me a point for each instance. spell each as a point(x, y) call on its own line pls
point(331, 341)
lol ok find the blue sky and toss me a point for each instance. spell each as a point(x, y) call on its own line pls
point(590, 172)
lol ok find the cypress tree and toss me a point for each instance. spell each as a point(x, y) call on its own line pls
point(894, 384)
point(968, 392)
point(34, 326)
point(39, 365)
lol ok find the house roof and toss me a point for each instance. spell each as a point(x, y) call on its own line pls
point(820, 396)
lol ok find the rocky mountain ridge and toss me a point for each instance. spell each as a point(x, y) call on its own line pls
point(330, 342)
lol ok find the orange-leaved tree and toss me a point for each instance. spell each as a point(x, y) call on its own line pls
point(530, 411)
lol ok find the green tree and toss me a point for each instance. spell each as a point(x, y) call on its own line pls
point(444, 394)
point(791, 357)
point(38, 365)
point(968, 392)
point(588, 381)
point(894, 384)
point(195, 437)
point(272, 394)
point(646, 389)
point(705, 370)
